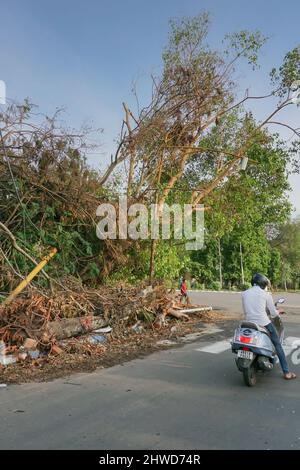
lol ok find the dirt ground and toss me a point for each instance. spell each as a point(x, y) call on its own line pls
point(114, 351)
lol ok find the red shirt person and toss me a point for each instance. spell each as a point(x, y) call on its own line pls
point(183, 291)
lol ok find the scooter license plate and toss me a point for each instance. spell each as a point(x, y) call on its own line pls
point(245, 354)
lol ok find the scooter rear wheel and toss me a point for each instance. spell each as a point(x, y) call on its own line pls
point(250, 375)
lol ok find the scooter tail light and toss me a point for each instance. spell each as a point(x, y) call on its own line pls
point(246, 339)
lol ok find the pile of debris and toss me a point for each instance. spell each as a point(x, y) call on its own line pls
point(83, 321)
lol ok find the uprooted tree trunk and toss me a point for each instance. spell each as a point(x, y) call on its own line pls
point(69, 327)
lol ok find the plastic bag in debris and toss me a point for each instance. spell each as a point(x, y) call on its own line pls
point(138, 328)
point(96, 339)
point(34, 354)
point(8, 359)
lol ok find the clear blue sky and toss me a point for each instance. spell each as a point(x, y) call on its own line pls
point(86, 55)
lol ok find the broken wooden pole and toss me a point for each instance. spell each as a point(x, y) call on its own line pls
point(197, 309)
point(29, 278)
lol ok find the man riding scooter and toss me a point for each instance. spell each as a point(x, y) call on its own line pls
point(257, 303)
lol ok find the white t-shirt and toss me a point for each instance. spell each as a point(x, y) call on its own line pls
point(256, 303)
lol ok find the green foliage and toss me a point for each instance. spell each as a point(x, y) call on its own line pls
point(286, 245)
point(240, 213)
point(168, 263)
point(124, 273)
point(186, 34)
point(288, 72)
point(215, 285)
point(246, 44)
point(275, 267)
point(245, 286)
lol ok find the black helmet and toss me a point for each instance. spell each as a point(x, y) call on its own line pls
point(260, 280)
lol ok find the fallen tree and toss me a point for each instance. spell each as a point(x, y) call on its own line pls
point(69, 327)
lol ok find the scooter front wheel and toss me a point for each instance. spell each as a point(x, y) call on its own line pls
point(250, 375)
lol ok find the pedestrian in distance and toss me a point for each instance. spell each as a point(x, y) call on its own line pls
point(183, 292)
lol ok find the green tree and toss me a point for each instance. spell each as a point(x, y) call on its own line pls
point(287, 242)
point(240, 214)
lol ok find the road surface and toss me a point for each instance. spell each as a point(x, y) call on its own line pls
point(231, 301)
point(189, 397)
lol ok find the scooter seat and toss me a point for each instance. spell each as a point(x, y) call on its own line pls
point(254, 326)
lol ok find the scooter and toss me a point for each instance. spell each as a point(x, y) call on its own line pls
point(254, 349)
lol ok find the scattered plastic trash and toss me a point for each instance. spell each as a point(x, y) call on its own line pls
point(137, 328)
point(34, 354)
point(107, 329)
point(22, 355)
point(8, 359)
point(96, 339)
point(3, 385)
point(2, 348)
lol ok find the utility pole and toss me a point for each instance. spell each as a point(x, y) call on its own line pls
point(242, 264)
point(153, 246)
point(220, 262)
point(152, 260)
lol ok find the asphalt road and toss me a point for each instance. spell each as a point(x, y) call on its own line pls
point(189, 397)
point(231, 301)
